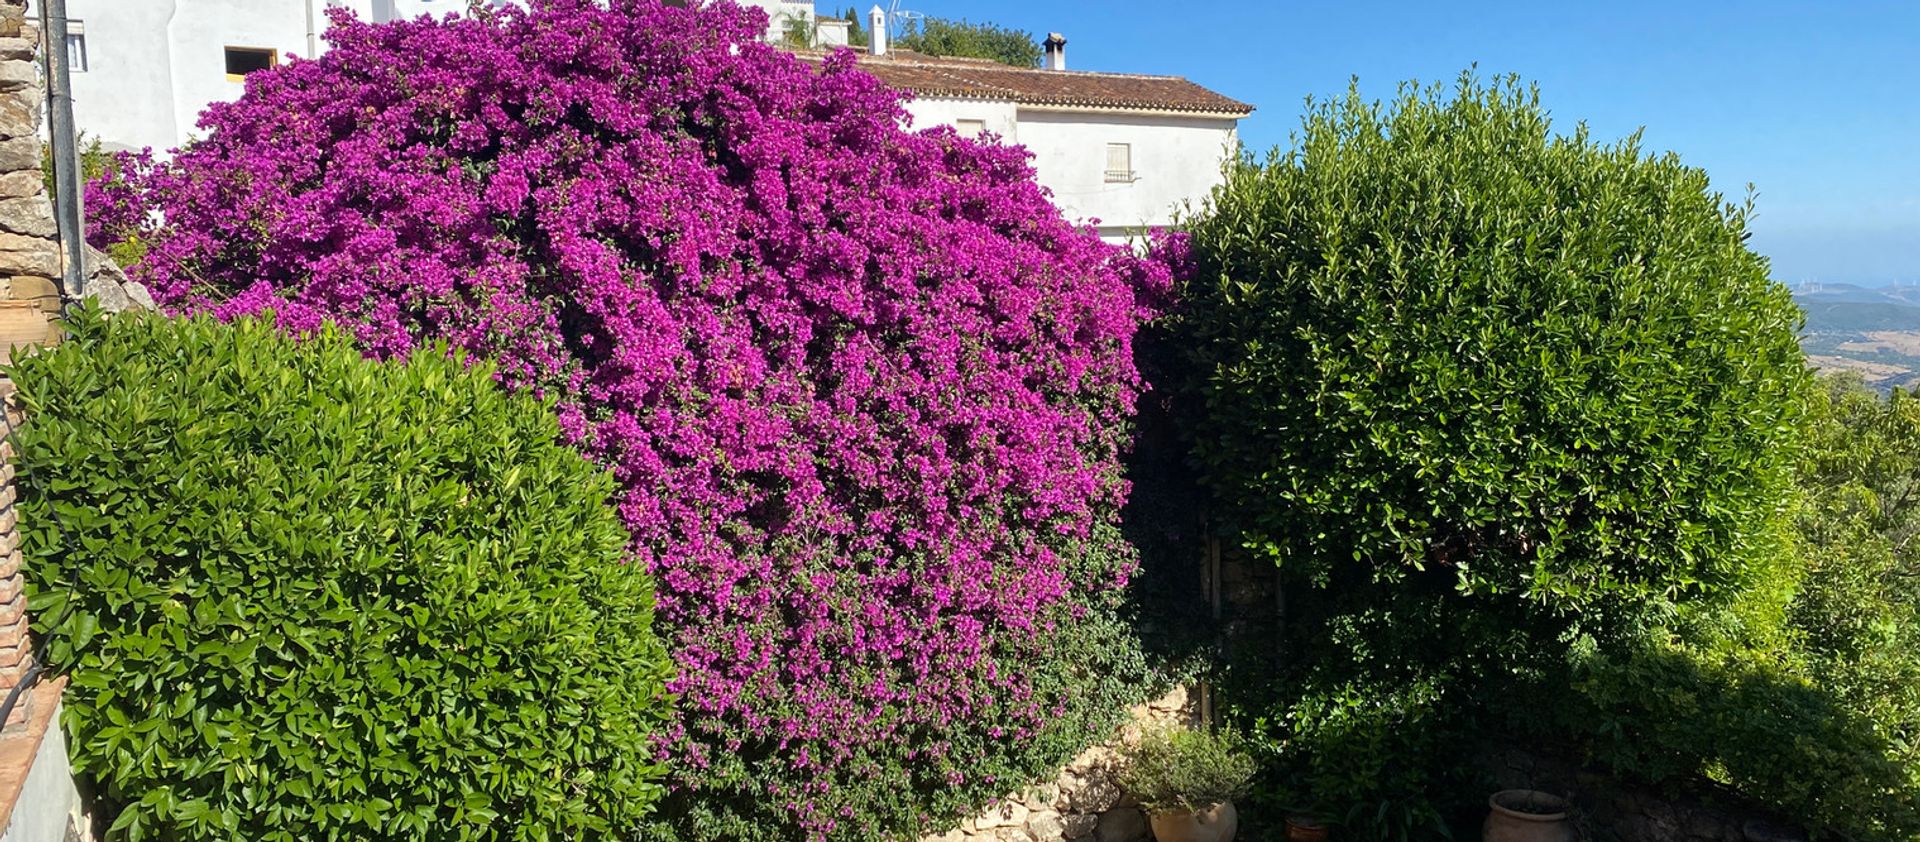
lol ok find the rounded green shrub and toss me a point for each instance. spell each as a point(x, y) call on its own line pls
point(306, 595)
point(1489, 395)
point(1439, 338)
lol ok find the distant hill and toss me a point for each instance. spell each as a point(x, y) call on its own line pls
point(1872, 330)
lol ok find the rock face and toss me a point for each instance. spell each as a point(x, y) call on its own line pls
point(1083, 803)
point(109, 286)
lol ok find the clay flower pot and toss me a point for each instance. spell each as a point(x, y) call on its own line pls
point(1523, 815)
point(1303, 829)
point(1215, 824)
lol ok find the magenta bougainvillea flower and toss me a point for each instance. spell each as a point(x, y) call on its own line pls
point(865, 390)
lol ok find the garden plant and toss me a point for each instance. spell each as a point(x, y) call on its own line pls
point(1495, 397)
point(863, 389)
point(304, 595)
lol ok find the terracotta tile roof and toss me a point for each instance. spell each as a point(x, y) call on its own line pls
point(984, 79)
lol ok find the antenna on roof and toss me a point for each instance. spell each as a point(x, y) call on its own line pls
point(895, 15)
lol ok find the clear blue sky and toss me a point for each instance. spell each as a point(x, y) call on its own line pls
point(1816, 104)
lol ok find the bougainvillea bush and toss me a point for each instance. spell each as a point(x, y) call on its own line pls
point(864, 388)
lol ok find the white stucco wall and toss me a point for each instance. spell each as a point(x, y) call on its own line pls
point(1177, 159)
point(999, 116)
point(126, 95)
point(154, 65)
point(49, 801)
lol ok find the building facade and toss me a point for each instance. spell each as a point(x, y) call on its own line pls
point(1124, 152)
point(143, 70)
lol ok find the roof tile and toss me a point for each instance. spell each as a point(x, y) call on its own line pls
point(985, 79)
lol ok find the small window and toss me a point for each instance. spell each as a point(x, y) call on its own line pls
point(244, 60)
point(1120, 162)
point(970, 128)
point(76, 47)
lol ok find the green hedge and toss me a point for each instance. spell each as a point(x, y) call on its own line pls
point(306, 595)
point(1439, 336)
point(1487, 393)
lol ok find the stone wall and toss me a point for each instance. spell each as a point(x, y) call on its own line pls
point(38, 799)
point(29, 261)
point(29, 253)
point(1082, 803)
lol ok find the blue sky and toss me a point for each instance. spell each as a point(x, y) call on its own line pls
point(1816, 104)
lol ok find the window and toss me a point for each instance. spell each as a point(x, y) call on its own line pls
point(1120, 162)
point(971, 128)
point(244, 60)
point(76, 47)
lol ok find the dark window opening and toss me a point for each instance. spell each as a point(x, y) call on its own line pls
point(244, 60)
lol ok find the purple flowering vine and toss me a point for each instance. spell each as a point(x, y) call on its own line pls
point(865, 390)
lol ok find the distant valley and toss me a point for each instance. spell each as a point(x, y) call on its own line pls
point(1872, 330)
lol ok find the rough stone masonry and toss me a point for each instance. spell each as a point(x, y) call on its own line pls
point(1082, 804)
point(30, 297)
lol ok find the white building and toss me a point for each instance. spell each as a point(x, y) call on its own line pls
point(143, 70)
point(1121, 148)
point(1125, 149)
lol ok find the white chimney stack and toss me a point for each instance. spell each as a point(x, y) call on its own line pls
point(877, 31)
point(1056, 45)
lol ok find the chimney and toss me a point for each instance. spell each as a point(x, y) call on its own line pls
point(877, 31)
point(1056, 45)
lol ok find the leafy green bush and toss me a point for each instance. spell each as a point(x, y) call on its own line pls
point(947, 37)
point(1439, 340)
point(1173, 769)
point(306, 595)
point(1670, 715)
point(1486, 394)
point(1376, 759)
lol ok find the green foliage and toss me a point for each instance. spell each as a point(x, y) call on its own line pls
point(856, 34)
point(1174, 769)
point(1489, 396)
point(1804, 694)
point(306, 595)
point(797, 32)
point(945, 37)
point(95, 161)
point(1439, 340)
point(1671, 715)
point(1376, 759)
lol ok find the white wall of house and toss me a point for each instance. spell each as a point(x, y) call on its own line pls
point(1175, 159)
point(153, 65)
point(125, 94)
point(1000, 117)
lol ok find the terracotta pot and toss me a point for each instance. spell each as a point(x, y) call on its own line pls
point(1303, 829)
point(1523, 815)
point(1215, 824)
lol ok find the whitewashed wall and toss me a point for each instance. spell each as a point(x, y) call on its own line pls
point(1000, 117)
point(1177, 158)
point(154, 65)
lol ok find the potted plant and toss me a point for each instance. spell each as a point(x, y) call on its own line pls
point(1186, 781)
point(1305, 827)
point(1523, 815)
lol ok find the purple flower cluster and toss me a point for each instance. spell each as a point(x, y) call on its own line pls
point(865, 389)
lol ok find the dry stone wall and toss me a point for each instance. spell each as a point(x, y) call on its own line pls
point(1083, 803)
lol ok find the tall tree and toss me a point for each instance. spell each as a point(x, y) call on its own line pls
point(947, 37)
